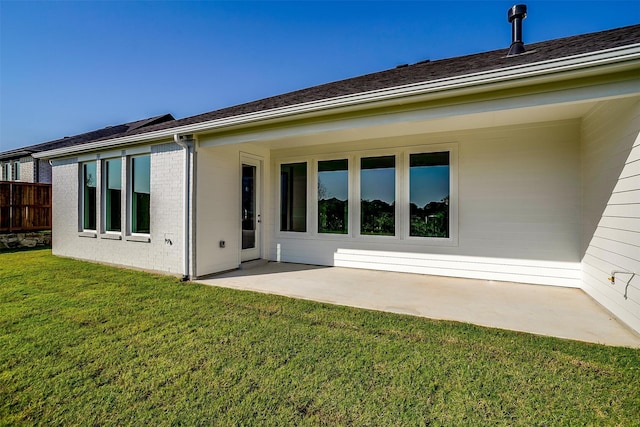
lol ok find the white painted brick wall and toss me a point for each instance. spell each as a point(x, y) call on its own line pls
point(27, 169)
point(163, 253)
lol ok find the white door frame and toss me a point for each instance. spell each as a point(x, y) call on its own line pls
point(254, 252)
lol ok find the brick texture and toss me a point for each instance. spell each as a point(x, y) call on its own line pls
point(164, 251)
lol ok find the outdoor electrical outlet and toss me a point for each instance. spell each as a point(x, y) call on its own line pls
point(222, 243)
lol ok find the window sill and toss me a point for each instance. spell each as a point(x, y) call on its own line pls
point(90, 234)
point(432, 241)
point(371, 238)
point(110, 236)
point(293, 234)
point(141, 239)
point(333, 236)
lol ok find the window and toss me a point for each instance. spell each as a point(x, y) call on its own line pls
point(293, 197)
point(377, 195)
point(140, 194)
point(429, 194)
point(16, 171)
point(89, 196)
point(407, 194)
point(333, 196)
point(6, 167)
point(113, 194)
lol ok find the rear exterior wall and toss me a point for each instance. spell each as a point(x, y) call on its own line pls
point(218, 204)
point(518, 203)
point(162, 251)
point(611, 193)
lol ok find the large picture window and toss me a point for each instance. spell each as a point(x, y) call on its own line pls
point(333, 196)
point(140, 194)
point(407, 194)
point(378, 195)
point(293, 197)
point(113, 195)
point(89, 194)
point(429, 194)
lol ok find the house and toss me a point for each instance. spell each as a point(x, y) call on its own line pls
point(20, 165)
point(519, 166)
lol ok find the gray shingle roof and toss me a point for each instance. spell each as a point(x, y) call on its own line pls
point(421, 72)
point(424, 72)
point(83, 138)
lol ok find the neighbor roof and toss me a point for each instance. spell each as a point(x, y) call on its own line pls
point(83, 138)
point(423, 72)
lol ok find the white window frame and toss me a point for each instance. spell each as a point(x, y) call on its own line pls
point(129, 197)
point(452, 240)
point(103, 196)
point(81, 211)
point(397, 153)
point(15, 170)
point(350, 194)
point(402, 199)
point(310, 207)
point(6, 171)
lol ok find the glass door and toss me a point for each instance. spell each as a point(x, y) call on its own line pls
point(250, 210)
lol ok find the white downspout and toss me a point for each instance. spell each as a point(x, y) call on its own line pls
point(182, 141)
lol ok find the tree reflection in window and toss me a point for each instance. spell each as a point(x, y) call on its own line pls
point(89, 196)
point(333, 196)
point(113, 194)
point(141, 194)
point(293, 197)
point(429, 194)
point(378, 195)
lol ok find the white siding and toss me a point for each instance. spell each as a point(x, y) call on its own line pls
point(519, 210)
point(164, 251)
point(611, 195)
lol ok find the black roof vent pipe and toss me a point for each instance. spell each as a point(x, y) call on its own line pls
point(515, 15)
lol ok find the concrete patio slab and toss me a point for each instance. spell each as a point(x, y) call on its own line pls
point(544, 310)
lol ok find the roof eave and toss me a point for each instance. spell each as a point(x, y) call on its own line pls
point(594, 63)
point(15, 154)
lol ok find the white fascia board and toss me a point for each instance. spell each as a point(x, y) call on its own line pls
point(156, 137)
point(593, 63)
point(491, 105)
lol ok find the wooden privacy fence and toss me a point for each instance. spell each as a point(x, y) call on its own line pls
point(24, 206)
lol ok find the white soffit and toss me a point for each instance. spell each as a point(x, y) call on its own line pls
point(400, 124)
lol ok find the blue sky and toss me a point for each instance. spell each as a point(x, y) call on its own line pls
point(68, 67)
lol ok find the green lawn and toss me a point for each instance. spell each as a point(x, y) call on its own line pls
point(86, 344)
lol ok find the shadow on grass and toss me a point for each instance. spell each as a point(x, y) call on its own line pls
point(24, 249)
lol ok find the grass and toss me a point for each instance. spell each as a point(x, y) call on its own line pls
point(86, 344)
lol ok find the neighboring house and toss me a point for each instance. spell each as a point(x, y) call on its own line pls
point(522, 168)
point(20, 165)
